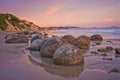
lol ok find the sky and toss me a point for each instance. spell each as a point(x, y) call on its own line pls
point(81, 13)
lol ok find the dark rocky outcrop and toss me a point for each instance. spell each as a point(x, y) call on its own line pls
point(68, 55)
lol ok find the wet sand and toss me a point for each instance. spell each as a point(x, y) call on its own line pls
point(16, 65)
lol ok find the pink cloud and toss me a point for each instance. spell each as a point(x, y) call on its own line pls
point(68, 16)
point(109, 20)
point(52, 10)
point(112, 20)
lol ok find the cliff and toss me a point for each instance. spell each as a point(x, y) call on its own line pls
point(9, 22)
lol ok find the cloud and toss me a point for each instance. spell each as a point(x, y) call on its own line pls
point(71, 15)
point(52, 9)
point(109, 20)
point(112, 20)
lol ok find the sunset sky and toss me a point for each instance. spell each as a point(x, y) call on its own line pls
point(83, 13)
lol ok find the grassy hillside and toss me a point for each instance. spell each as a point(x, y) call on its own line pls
point(15, 22)
point(3, 24)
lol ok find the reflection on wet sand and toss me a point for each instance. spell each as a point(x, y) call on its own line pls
point(47, 64)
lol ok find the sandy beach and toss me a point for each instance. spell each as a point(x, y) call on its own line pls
point(15, 64)
point(59, 39)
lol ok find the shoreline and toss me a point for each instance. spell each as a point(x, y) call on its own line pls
point(14, 60)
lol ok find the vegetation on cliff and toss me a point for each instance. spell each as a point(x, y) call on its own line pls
point(9, 22)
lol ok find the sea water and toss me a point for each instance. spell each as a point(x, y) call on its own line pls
point(106, 33)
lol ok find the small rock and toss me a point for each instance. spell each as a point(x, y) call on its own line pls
point(108, 58)
point(109, 48)
point(94, 52)
point(54, 36)
point(96, 37)
point(102, 50)
point(115, 70)
point(117, 50)
point(104, 54)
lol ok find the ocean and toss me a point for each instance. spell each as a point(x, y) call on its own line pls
point(106, 33)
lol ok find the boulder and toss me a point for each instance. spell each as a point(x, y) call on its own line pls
point(50, 45)
point(23, 32)
point(36, 44)
point(82, 42)
point(117, 50)
point(96, 37)
point(37, 36)
point(48, 65)
point(16, 38)
point(69, 38)
point(68, 55)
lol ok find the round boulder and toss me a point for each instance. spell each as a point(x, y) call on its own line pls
point(16, 38)
point(49, 46)
point(96, 37)
point(23, 32)
point(36, 44)
point(69, 38)
point(82, 42)
point(68, 55)
point(37, 36)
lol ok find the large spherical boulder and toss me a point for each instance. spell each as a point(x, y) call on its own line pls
point(16, 38)
point(96, 37)
point(49, 46)
point(69, 38)
point(82, 42)
point(68, 55)
point(36, 44)
point(37, 36)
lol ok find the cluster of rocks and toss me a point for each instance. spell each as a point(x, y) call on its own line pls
point(66, 50)
point(58, 48)
point(107, 49)
point(21, 37)
point(16, 38)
